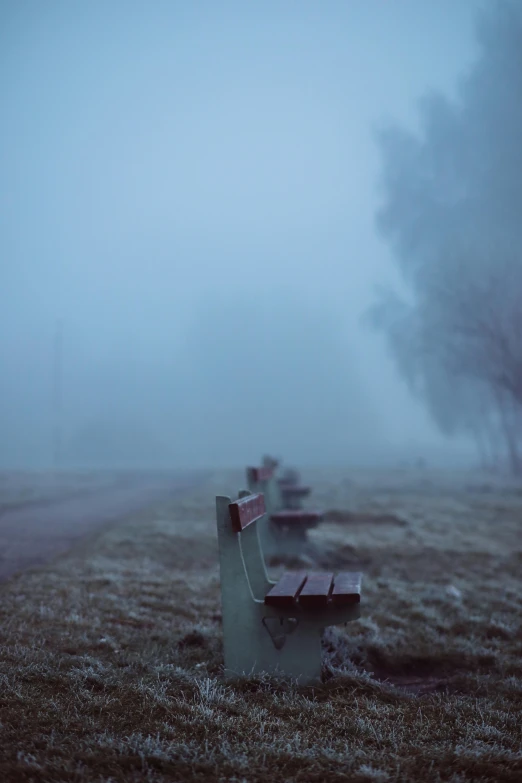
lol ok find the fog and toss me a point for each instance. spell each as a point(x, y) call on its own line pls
point(190, 189)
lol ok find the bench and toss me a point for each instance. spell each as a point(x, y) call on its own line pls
point(284, 531)
point(292, 494)
point(274, 626)
point(291, 491)
point(290, 476)
point(270, 462)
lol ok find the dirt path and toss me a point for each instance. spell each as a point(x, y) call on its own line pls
point(30, 535)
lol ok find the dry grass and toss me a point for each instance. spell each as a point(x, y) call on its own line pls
point(110, 660)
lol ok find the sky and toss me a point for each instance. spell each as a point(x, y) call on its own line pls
point(164, 162)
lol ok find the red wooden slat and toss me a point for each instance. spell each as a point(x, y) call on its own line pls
point(246, 510)
point(285, 592)
point(347, 589)
point(260, 474)
point(296, 491)
point(316, 590)
point(297, 517)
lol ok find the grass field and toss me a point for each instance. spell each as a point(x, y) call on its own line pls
point(31, 487)
point(111, 659)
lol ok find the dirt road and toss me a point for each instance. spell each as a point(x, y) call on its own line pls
point(32, 534)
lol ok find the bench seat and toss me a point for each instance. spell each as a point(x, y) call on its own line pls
point(315, 591)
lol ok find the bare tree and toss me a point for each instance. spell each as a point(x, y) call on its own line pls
point(452, 214)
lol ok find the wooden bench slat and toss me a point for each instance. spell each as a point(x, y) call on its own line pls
point(296, 517)
point(347, 588)
point(260, 474)
point(316, 590)
point(285, 592)
point(246, 510)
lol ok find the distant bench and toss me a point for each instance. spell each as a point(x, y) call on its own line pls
point(291, 490)
point(292, 494)
point(270, 626)
point(284, 531)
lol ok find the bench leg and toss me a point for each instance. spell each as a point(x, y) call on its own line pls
point(301, 656)
point(264, 644)
point(297, 534)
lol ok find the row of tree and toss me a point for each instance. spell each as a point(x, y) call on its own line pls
point(452, 216)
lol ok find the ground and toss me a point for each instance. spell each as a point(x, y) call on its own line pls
point(30, 487)
point(111, 658)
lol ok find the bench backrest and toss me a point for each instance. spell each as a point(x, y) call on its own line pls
point(242, 566)
point(260, 475)
point(246, 510)
point(263, 480)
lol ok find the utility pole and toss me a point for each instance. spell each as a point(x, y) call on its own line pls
point(58, 395)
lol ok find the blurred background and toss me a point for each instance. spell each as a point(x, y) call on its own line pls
point(229, 228)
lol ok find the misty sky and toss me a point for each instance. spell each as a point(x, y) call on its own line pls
point(160, 158)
